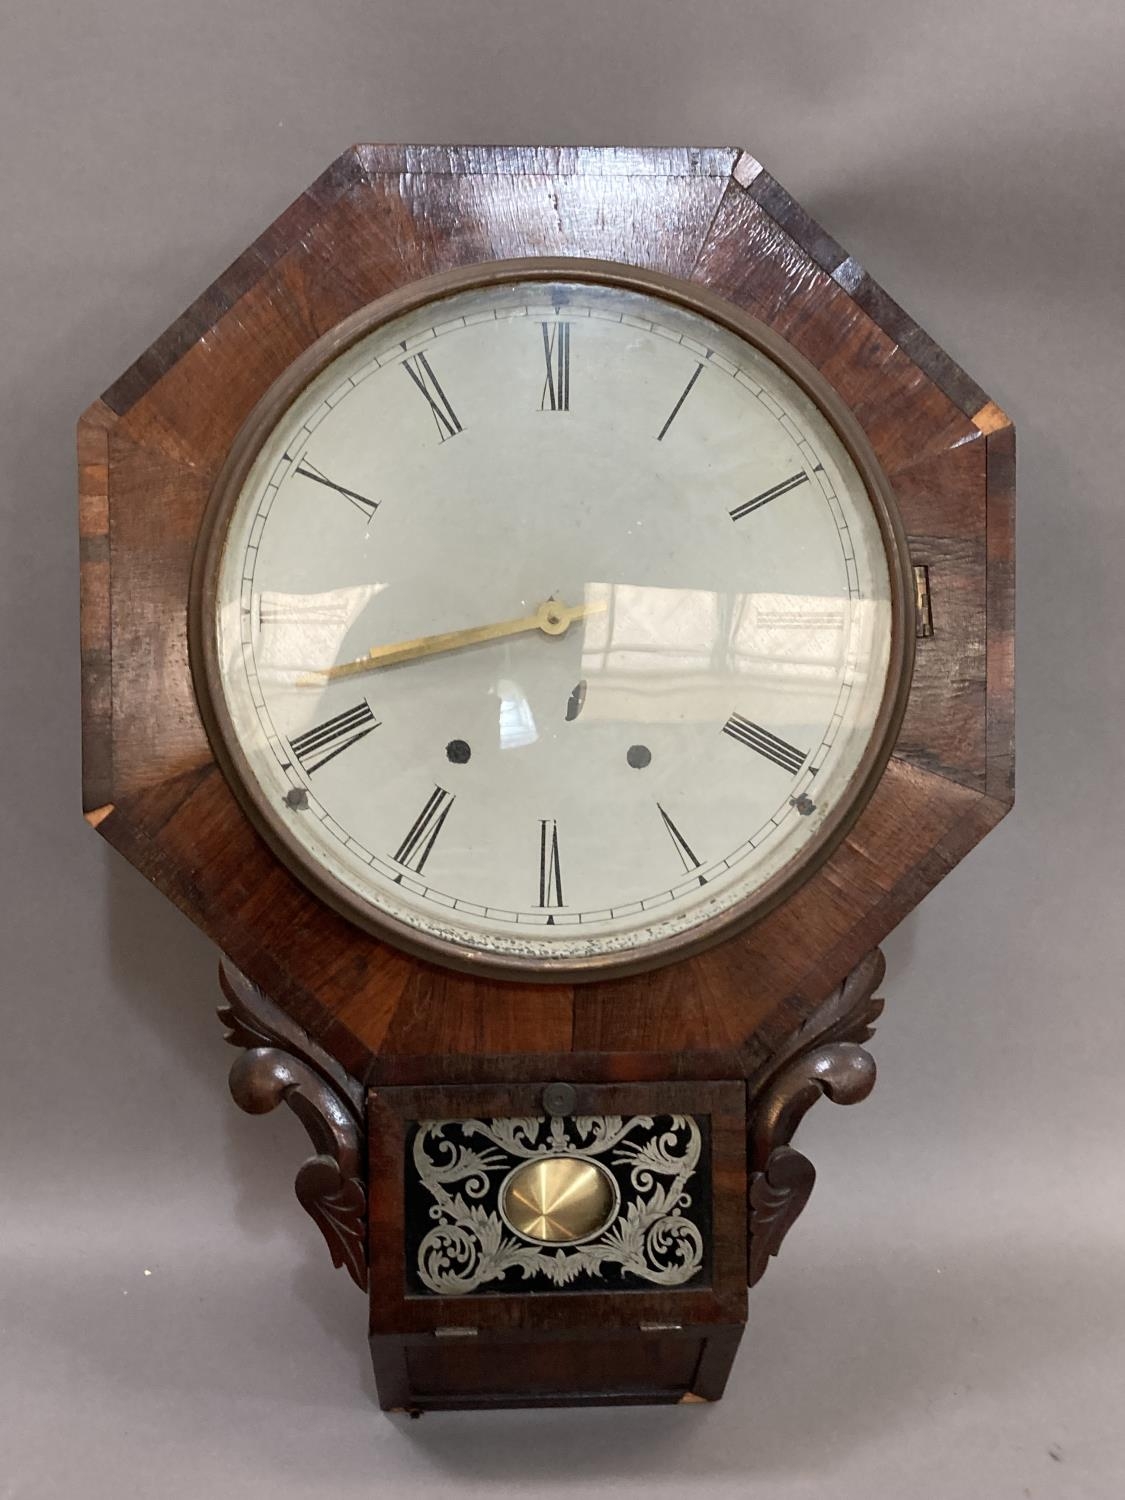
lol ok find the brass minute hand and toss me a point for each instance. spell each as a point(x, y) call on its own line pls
point(552, 617)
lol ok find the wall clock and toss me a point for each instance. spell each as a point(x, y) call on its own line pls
point(547, 615)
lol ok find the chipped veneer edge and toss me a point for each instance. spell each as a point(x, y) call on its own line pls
point(746, 168)
point(990, 418)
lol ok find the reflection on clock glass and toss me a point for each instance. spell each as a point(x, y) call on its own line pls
point(553, 620)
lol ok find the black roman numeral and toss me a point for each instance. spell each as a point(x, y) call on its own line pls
point(556, 354)
point(787, 756)
point(683, 848)
point(316, 747)
point(361, 502)
point(767, 495)
point(550, 871)
point(275, 609)
point(674, 413)
point(415, 848)
point(445, 418)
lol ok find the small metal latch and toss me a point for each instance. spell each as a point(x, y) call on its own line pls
point(560, 1099)
point(455, 1333)
point(923, 612)
point(661, 1327)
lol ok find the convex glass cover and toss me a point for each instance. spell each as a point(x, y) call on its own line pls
point(553, 622)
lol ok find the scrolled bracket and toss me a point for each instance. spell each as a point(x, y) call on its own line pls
point(282, 1065)
point(824, 1056)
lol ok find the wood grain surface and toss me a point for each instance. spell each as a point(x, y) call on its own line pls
point(557, 1347)
point(151, 449)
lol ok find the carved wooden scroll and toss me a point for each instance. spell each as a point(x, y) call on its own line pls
point(283, 1065)
point(823, 1056)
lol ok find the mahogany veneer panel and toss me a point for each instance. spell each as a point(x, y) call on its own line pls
point(384, 216)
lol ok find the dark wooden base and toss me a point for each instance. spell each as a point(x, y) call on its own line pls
point(575, 1367)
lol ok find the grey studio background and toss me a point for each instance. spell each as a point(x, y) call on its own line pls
point(947, 1319)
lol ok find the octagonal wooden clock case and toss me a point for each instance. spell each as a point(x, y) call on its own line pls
point(547, 615)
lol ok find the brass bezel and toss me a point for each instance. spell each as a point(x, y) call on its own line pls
point(260, 810)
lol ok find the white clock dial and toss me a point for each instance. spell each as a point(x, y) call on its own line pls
point(553, 620)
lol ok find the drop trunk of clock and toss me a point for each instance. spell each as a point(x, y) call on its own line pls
point(634, 1289)
point(547, 616)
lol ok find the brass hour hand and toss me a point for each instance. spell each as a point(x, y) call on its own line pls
point(552, 617)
